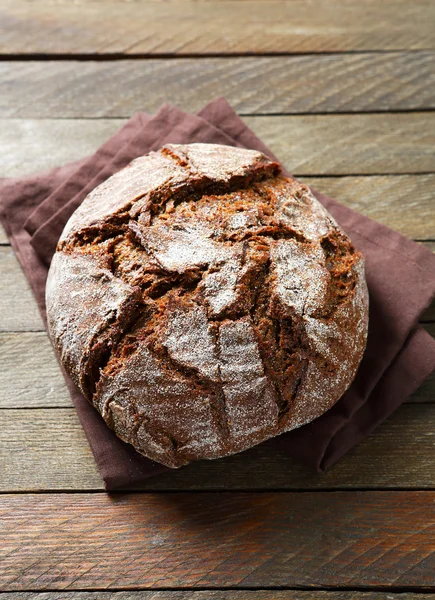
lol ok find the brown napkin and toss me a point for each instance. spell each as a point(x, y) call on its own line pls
point(400, 275)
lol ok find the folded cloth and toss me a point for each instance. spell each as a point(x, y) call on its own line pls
point(400, 276)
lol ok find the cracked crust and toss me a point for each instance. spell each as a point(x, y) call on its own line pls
point(204, 303)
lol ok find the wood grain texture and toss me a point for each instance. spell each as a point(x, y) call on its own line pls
point(18, 309)
point(350, 144)
point(398, 455)
point(31, 378)
point(324, 538)
point(266, 85)
point(215, 27)
point(405, 203)
point(46, 447)
point(97, 541)
point(360, 144)
point(216, 595)
point(49, 143)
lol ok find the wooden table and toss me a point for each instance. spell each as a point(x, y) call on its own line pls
point(343, 92)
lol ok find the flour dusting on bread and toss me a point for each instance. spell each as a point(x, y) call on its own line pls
point(203, 303)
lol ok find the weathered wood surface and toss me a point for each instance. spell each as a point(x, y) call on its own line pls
point(35, 145)
point(360, 144)
point(403, 202)
point(380, 164)
point(97, 541)
point(217, 595)
point(31, 378)
point(54, 447)
point(350, 144)
point(214, 27)
point(42, 449)
point(3, 237)
point(18, 309)
point(329, 83)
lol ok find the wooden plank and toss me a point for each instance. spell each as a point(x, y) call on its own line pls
point(398, 455)
point(404, 202)
point(38, 145)
point(97, 541)
point(219, 594)
point(265, 85)
point(18, 309)
point(360, 144)
point(350, 144)
point(45, 449)
point(31, 378)
point(214, 27)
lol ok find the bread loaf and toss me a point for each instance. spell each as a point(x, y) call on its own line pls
point(203, 303)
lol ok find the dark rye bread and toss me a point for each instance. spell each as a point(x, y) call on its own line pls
point(204, 303)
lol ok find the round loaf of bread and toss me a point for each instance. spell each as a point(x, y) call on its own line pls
point(203, 303)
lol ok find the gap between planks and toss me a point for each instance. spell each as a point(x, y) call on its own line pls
point(120, 56)
point(341, 592)
point(220, 594)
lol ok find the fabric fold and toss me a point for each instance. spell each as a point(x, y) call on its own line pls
point(400, 275)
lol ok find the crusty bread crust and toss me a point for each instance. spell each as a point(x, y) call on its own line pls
point(204, 303)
